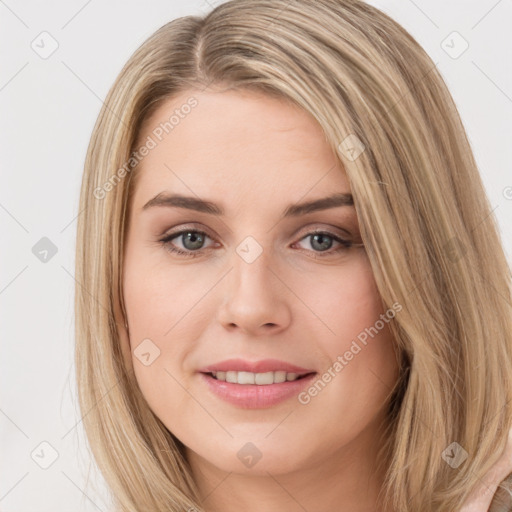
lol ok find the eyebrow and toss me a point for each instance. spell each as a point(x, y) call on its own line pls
point(295, 210)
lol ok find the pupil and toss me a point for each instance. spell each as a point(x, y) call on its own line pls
point(323, 246)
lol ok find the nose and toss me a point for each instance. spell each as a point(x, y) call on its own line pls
point(255, 299)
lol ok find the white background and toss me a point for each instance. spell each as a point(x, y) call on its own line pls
point(48, 109)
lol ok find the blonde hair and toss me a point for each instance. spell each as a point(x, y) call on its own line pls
point(430, 236)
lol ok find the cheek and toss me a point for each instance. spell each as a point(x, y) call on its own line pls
point(153, 308)
point(354, 332)
point(360, 367)
point(161, 337)
point(346, 301)
point(166, 316)
point(158, 295)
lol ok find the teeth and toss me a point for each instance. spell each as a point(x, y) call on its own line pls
point(255, 378)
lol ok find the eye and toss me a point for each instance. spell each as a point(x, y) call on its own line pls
point(322, 241)
point(192, 240)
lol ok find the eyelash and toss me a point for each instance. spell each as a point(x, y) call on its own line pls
point(166, 242)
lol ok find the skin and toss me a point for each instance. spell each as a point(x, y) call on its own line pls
point(254, 156)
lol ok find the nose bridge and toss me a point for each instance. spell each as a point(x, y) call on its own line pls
point(254, 296)
point(252, 270)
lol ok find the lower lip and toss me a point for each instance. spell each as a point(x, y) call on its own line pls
point(253, 396)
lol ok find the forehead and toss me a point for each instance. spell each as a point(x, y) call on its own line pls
point(240, 144)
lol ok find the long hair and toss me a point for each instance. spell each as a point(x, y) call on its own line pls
point(425, 220)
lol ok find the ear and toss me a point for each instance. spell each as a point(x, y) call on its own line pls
point(495, 480)
point(502, 499)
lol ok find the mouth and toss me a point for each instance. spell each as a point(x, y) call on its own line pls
point(258, 379)
point(247, 390)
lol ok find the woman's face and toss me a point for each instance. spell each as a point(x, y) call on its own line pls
point(255, 284)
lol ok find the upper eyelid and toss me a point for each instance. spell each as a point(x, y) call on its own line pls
point(332, 231)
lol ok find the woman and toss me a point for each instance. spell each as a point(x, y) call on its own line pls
point(291, 273)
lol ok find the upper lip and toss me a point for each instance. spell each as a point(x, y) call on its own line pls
point(263, 366)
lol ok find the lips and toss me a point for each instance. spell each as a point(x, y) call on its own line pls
point(263, 366)
point(253, 396)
